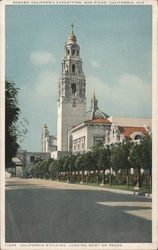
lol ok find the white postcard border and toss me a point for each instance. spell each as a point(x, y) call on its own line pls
point(100, 246)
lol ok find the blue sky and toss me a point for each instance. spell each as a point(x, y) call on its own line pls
point(116, 49)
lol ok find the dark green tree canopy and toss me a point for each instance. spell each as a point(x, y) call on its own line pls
point(12, 115)
point(14, 131)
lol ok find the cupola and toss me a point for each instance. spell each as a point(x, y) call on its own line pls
point(72, 38)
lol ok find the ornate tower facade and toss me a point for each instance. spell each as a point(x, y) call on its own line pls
point(45, 136)
point(72, 88)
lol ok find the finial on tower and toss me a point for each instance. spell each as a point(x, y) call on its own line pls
point(94, 98)
point(72, 25)
point(45, 125)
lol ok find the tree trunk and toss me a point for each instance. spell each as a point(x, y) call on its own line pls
point(97, 176)
point(111, 176)
point(59, 176)
point(127, 178)
point(82, 176)
point(150, 179)
point(103, 177)
point(139, 178)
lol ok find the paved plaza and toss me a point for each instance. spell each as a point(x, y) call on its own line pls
point(47, 211)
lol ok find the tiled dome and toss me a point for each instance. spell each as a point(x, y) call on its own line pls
point(95, 112)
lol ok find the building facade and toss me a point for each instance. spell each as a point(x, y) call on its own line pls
point(105, 129)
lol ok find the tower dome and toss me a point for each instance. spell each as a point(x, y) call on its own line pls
point(95, 112)
point(72, 37)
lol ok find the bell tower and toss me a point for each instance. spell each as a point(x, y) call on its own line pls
point(71, 96)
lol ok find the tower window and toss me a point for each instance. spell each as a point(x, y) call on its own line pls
point(73, 69)
point(73, 52)
point(68, 52)
point(77, 52)
point(73, 87)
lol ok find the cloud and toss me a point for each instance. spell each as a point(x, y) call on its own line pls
point(40, 57)
point(95, 64)
point(129, 96)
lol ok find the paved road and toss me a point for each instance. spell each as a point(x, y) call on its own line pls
point(46, 211)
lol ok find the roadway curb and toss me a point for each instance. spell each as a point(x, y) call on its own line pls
point(118, 191)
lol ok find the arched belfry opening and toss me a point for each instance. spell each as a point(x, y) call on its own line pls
point(73, 68)
point(73, 87)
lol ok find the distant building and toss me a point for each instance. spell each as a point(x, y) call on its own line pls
point(49, 142)
point(27, 159)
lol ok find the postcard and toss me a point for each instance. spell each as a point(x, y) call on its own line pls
point(79, 124)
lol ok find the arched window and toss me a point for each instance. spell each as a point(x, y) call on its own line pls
point(73, 87)
point(137, 137)
point(73, 68)
point(73, 52)
point(68, 52)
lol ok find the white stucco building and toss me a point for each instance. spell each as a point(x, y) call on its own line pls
point(106, 129)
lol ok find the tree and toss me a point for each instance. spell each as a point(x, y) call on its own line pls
point(147, 154)
point(136, 161)
point(89, 163)
point(53, 168)
point(80, 165)
point(13, 132)
point(69, 165)
point(141, 156)
point(95, 153)
point(34, 169)
point(44, 168)
point(126, 146)
point(12, 116)
point(120, 157)
point(104, 160)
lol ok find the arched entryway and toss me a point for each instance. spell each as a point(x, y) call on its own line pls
point(18, 166)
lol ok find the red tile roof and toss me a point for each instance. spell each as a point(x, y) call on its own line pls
point(99, 121)
point(127, 131)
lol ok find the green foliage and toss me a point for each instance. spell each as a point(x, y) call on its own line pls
point(140, 155)
point(95, 153)
point(103, 161)
point(121, 156)
point(79, 163)
point(53, 169)
point(146, 156)
point(89, 161)
point(14, 131)
point(12, 115)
